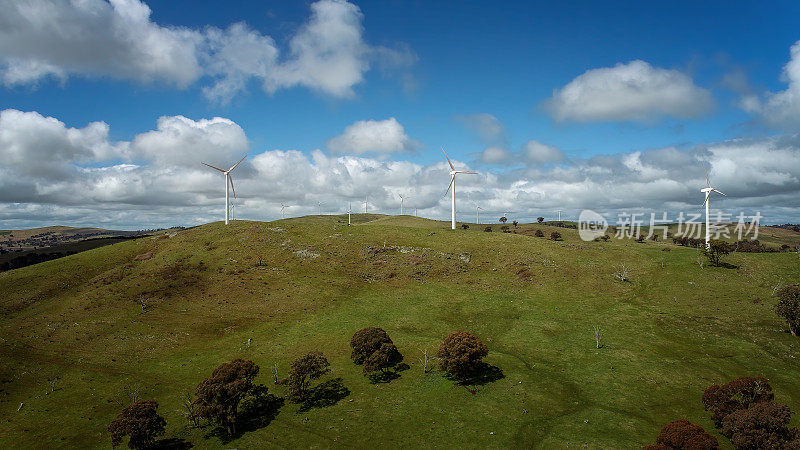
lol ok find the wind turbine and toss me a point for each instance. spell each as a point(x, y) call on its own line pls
point(349, 211)
point(228, 180)
point(453, 173)
point(477, 215)
point(559, 215)
point(319, 207)
point(402, 199)
point(283, 208)
point(708, 190)
point(365, 204)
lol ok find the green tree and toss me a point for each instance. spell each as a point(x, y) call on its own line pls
point(715, 251)
point(460, 354)
point(219, 396)
point(788, 306)
point(141, 422)
point(303, 370)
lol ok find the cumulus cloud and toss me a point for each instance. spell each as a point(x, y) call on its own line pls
point(635, 91)
point(486, 127)
point(537, 153)
point(780, 109)
point(118, 39)
point(373, 136)
point(79, 176)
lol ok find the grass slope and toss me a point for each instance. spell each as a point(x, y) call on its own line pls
point(308, 283)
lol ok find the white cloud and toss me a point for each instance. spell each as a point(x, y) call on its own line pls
point(780, 109)
point(495, 155)
point(118, 39)
point(486, 127)
point(78, 176)
point(373, 136)
point(537, 153)
point(635, 91)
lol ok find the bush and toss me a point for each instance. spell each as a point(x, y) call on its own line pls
point(715, 251)
point(141, 422)
point(383, 359)
point(303, 370)
point(460, 354)
point(219, 396)
point(555, 235)
point(464, 226)
point(540, 219)
point(762, 426)
point(505, 229)
point(788, 306)
point(488, 229)
point(682, 434)
point(367, 341)
point(515, 223)
point(739, 394)
point(538, 233)
point(504, 219)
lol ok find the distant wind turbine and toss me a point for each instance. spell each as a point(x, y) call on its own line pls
point(559, 215)
point(228, 180)
point(477, 215)
point(366, 202)
point(708, 190)
point(452, 185)
point(402, 199)
point(349, 211)
point(283, 209)
point(319, 207)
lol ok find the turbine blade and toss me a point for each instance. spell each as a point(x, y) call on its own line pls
point(718, 192)
point(448, 159)
point(704, 203)
point(452, 179)
point(209, 165)
point(464, 171)
point(234, 166)
point(708, 181)
point(231, 181)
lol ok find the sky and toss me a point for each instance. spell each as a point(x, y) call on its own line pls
point(108, 109)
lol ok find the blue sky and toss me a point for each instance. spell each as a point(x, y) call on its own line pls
point(431, 66)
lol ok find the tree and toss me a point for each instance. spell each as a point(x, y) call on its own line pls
point(682, 434)
point(538, 233)
point(788, 306)
point(555, 235)
point(761, 426)
point(383, 359)
point(540, 219)
point(464, 226)
point(504, 219)
point(303, 370)
point(141, 422)
point(460, 354)
point(367, 341)
point(715, 251)
point(515, 223)
point(505, 229)
point(219, 396)
point(738, 394)
point(488, 229)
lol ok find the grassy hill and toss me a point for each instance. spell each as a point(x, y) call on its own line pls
point(308, 283)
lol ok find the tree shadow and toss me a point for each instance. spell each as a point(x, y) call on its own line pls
point(485, 373)
point(726, 265)
point(389, 375)
point(172, 444)
point(325, 394)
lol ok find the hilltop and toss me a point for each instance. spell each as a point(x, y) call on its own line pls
point(77, 341)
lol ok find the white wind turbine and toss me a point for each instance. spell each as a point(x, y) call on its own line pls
point(349, 211)
point(477, 214)
point(402, 199)
point(228, 181)
point(559, 215)
point(319, 207)
point(283, 209)
point(708, 190)
point(366, 202)
point(453, 173)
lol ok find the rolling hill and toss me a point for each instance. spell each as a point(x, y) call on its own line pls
point(76, 342)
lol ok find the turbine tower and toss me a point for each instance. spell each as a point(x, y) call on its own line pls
point(365, 204)
point(708, 190)
point(477, 215)
point(228, 181)
point(283, 209)
point(559, 215)
point(402, 199)
point(319, 207)
point(349, 211)
point(453, 173)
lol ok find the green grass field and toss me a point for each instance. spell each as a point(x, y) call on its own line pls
point(309, 283)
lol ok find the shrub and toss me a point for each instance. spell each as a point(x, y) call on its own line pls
point(739, 394)
point(504, 219)
point(219, 396)
point(540, 219)
point(303, 370)
point(141, 422)
point(555, 235)
point(538, 233)
point(383, 359)
point(488, 229)
point(682, 434)
point(762, 426)
point(715, 251)
point(505, 229)
point(366, 341)
point(788, 306)
point(515, 223)
point(464, 226)
point(460, 354)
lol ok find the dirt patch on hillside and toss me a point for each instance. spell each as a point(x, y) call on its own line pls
point(144, 256)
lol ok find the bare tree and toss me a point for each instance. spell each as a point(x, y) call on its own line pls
point(425, 359)
point(275, 372)
point(189, 409)
point(598, 335)
point(622, 273)
point(143, 302)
